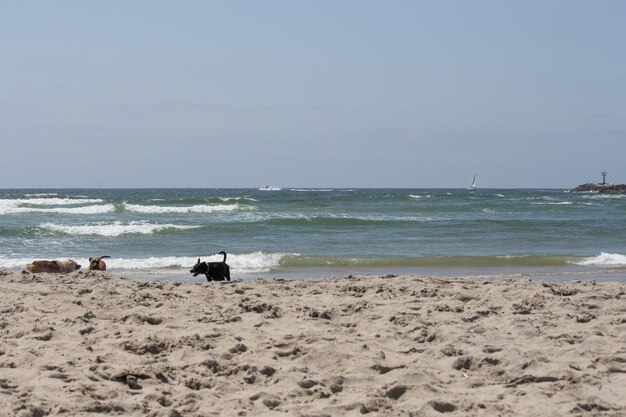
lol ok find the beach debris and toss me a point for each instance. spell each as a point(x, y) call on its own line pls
point(383, 369)
point(530, 379)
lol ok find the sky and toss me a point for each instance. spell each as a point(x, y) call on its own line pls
point(351, 93)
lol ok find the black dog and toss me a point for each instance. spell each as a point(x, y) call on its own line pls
point(214, 271)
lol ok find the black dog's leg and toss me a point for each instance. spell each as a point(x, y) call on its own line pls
point(208, 277)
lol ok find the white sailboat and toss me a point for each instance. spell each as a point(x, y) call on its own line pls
point(472, 186)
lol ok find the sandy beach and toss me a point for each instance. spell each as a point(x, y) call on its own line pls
point(90, 343)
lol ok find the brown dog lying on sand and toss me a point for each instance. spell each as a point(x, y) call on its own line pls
point(53, 266)
point(97, 264)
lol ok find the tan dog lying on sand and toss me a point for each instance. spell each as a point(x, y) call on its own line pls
point(97, 264)
point(53, 266)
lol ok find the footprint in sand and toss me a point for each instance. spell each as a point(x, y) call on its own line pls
point(269, 400)
point(142, 319)
point(238, 348)
point(268, 371)
point(307, 383)
point(464, 362)
point(396, 392)
point(442, 406)
point(450, 350)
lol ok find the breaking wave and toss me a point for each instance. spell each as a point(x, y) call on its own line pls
point(28, 206)
point(603, 259)
point(242, 264)
point(248, 263)
point(217, 208)
point(113, 229)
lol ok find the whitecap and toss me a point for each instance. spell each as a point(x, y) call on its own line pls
point(237, 198)
point(136, 208)
point(113, 229)
point(49, 201)
point(560, 203)
point(309, 190)
point(10, 207)
point(604, 259)
point(42, 195)
point(604, 196)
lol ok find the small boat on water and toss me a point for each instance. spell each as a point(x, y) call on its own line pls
point(269, 188)
point(472, 186)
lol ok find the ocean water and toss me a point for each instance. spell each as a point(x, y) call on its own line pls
point(299, 233)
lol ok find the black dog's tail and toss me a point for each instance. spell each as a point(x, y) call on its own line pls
point(223, 253)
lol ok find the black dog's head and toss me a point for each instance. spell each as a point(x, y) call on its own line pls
point(199, 268)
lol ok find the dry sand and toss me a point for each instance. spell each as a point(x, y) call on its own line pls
point(95, 343)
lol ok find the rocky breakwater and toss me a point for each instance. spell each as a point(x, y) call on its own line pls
point(601, 188)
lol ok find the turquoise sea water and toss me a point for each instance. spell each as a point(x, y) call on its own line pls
point(290, 232)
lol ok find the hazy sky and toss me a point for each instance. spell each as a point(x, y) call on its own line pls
point(311, 93)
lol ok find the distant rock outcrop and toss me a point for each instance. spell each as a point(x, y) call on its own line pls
point(600, 188)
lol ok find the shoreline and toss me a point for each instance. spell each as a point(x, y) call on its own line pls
point(556, 274)
point(96, 342)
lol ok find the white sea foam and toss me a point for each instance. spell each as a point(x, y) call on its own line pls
point(261, 217)
point(237, 198)
point(42, 195)
point(600, 196)
point(604, 259)
point(52, 201)
point(152, 263)
point(13, 207)
point(388, 218)
point(559, 203)
point(240, 264)
point(419, 196)
point(14, 263)
point(248, 263)
point(112, 229)
point(309, 190)
point(217, 208)
point(254, 262)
